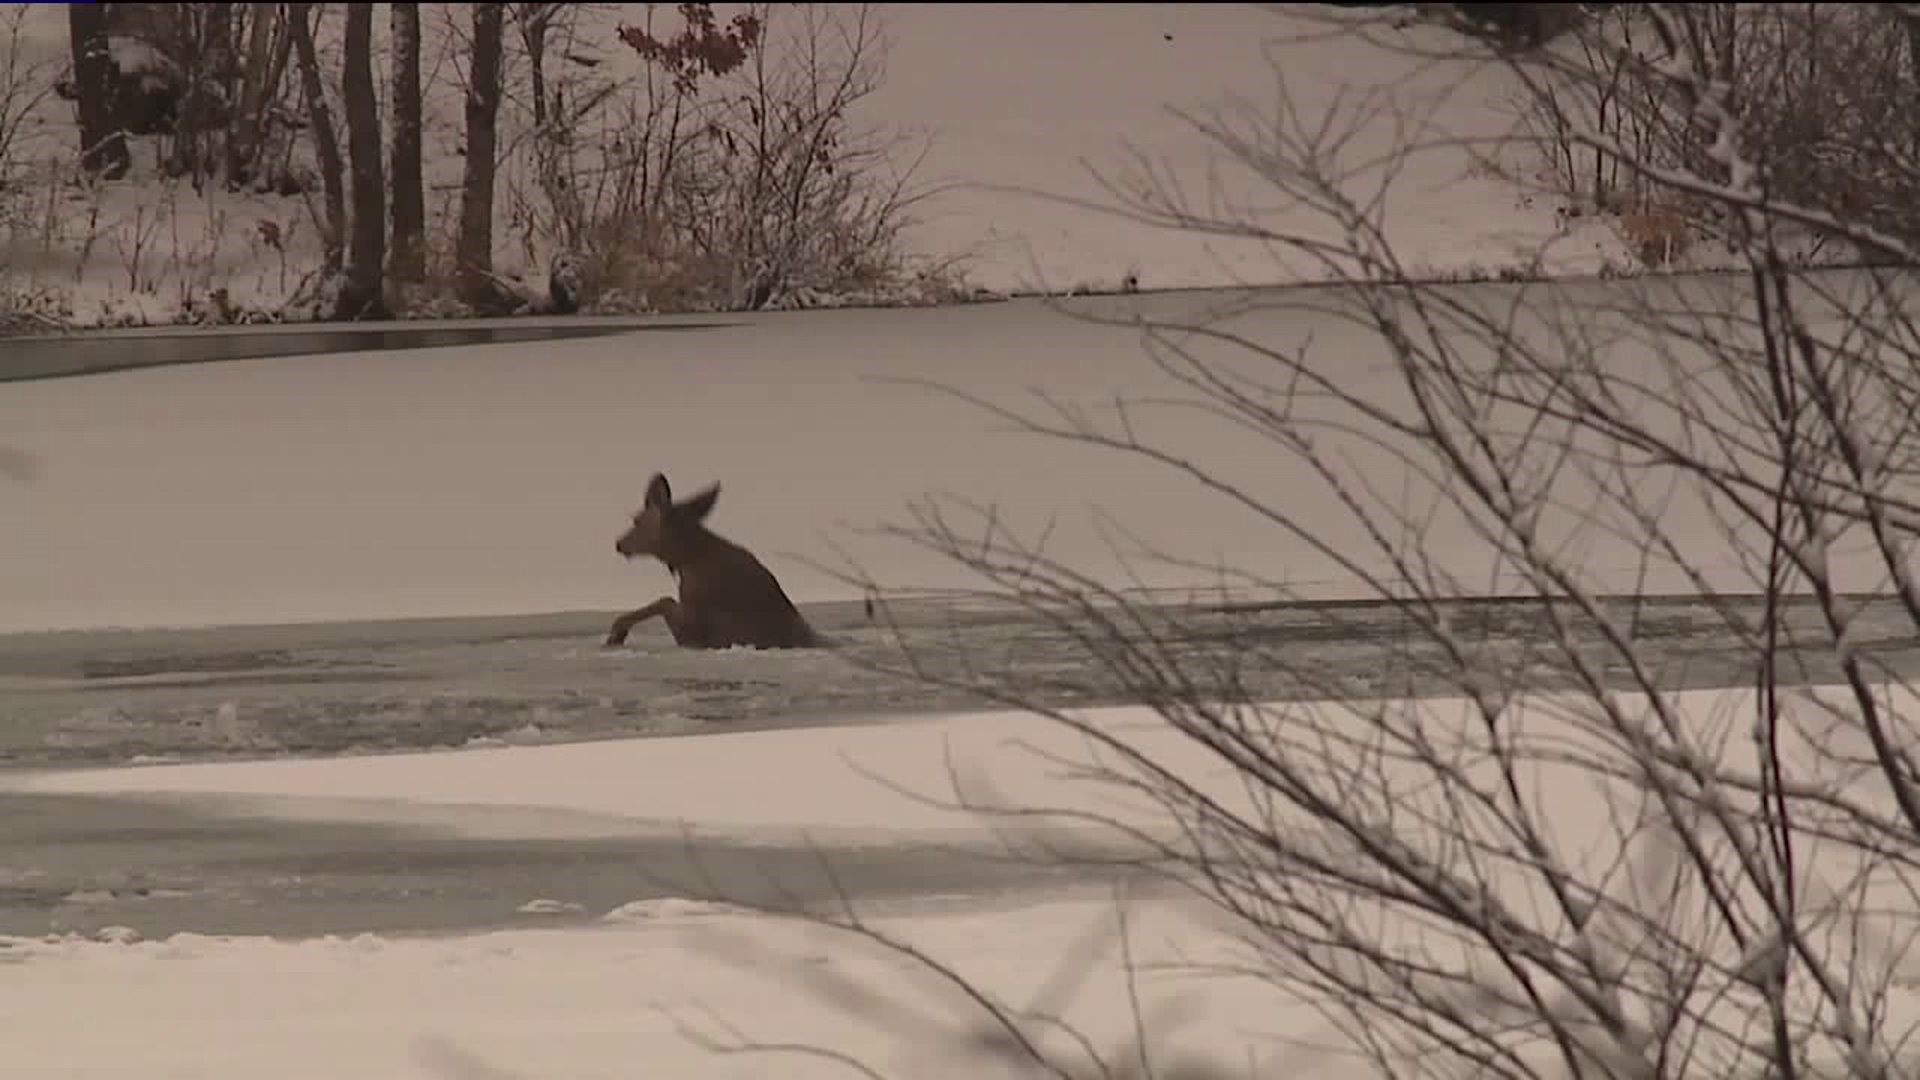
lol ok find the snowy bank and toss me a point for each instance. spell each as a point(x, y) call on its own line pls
point(1018, 156)
point(901, 781)
point(593, 1002)
point(634, 996)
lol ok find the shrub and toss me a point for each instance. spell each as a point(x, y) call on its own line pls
point(730, 174)
point(1821, 94)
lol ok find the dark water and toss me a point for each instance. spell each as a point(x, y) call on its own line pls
point(79, 864)
point(111, 697)
point(95, 353)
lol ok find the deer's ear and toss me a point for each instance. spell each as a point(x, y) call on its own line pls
point(698, 506)
point(659, 492)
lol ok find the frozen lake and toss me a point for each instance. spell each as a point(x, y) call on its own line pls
point(492, 479)
point(411, 549)
point(161, 865)
point(111, 697)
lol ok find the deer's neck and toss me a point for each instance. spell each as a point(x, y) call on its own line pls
point(688, 551)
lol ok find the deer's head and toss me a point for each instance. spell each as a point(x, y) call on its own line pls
point(665, 529)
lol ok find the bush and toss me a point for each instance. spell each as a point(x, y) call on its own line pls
point(730, 174)
point(1821, 94)
point(1504, 840)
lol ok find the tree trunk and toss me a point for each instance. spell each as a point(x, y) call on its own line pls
point(221, 61)
point(475, 252)
point(549, 136)
point(534, 20)
point(206, 53)
point(244, 129)
point(219, 66)
point(103, 146)
point(1910, 20)
point(325, 146)
point(277, 72)
point(409, 196)
point(366, 262)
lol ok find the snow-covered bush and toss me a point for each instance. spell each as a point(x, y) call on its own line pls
point(1517, 849)
point(729, 170)
point(25, 82)
point(1822, 93)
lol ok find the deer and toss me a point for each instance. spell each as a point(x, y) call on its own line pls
point(727, 596)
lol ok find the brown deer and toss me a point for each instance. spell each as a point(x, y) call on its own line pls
point(727, 597)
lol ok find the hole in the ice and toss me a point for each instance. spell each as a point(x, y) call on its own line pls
point(92, 354)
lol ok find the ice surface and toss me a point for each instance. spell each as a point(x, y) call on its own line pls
point(104, 697)
point(350, 688)
point(493, 479)
point(892, 782)
point(772, 786)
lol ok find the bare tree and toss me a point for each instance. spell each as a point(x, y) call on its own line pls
point(362, 295)
point(1821, 93)
point(326, 145)
point(269, 44)
point(103, 146)
point(475, 247)
point(810, 194)
point(734, 171)
point(535, 20)
point(409, 199)
point(25, 84)
point(1500, 840)
point(209, 74)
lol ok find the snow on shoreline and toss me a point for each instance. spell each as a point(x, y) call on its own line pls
point(645, 982)
point(1006, 160)
point(938, 776)
point(589, 1002)
point(642, 990)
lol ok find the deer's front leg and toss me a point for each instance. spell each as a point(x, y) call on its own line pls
point(622, 626)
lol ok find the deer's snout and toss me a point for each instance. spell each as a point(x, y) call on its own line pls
point(632, 544)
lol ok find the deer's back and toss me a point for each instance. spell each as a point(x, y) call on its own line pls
point(738, 601)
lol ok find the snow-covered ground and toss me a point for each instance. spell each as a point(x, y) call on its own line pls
point(595, 1002)
point(886, 782)
point(642, 987)
point(1073, 93)
point(941, 777)
point(494, 479)
point(645, 994)
point(1017, 107)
